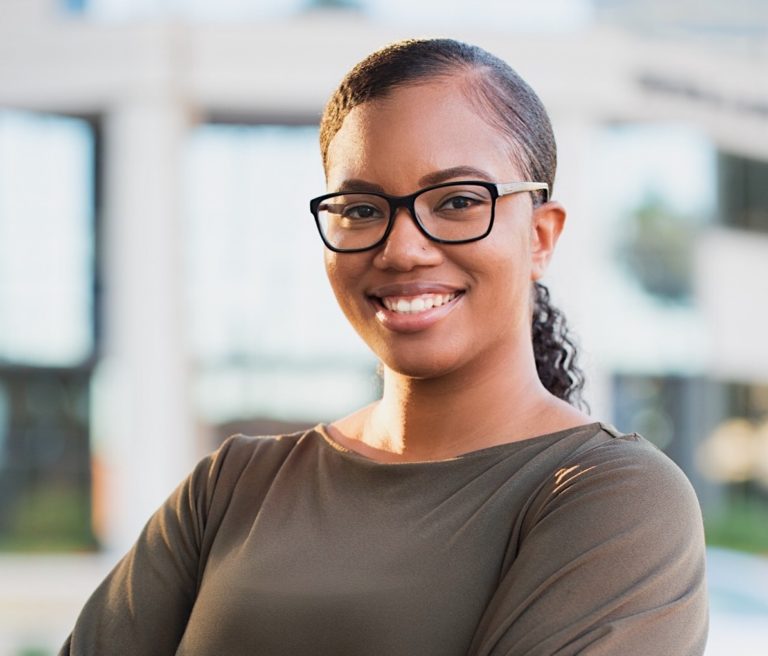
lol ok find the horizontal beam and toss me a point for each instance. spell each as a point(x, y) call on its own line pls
point(288, 68)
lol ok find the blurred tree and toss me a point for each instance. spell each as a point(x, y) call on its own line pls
point(657, 249)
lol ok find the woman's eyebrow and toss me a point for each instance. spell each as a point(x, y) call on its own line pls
point(356, 184)
point(454, 172)
point(436, 177)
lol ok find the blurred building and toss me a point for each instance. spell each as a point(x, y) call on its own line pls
point(161, 282)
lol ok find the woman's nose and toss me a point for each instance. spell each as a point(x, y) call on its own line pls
point(407, 247)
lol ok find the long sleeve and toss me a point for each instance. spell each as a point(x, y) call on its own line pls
point(609, 561)
point(143, 605)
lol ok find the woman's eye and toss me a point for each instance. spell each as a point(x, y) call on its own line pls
point(458, 203)
point(360, 212)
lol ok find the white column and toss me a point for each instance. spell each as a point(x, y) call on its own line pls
point(144, 435)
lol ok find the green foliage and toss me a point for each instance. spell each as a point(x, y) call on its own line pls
point(658, 249)
point(33, 651)
point(52, 518)
point(742, 525)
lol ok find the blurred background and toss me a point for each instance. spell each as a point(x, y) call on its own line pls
point(161, 279)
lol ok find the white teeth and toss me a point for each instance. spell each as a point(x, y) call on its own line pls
point(418, 303)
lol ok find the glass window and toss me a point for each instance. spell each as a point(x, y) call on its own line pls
point(265, 330)
point(658, 189)
point(652, 191)
point(673, 163)
point(46, 330)
point(46, 240)
point(743, 186)
point(45, 477)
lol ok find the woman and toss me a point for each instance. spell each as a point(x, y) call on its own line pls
point(472, 509)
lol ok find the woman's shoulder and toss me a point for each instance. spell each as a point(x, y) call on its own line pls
point(609, 546)
point(240, 451)
point(608, 449)
point(621, 474)
point(600, 444)
point(254, 457)
point(242, 445)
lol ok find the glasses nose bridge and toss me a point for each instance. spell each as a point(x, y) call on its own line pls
point(406, 202)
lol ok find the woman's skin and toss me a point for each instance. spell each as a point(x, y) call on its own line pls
point(462, 376)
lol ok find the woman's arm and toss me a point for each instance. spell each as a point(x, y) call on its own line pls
point(611, 561)
point(143, 605)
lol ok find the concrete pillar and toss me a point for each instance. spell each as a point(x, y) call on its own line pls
point(145, 435)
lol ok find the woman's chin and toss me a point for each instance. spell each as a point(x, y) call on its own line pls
point(421, 366)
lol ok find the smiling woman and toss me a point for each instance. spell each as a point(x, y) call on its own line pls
point(472, 509)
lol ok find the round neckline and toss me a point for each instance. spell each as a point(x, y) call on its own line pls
point(328, 442)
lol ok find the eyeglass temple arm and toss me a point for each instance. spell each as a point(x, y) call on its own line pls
point(506, 188)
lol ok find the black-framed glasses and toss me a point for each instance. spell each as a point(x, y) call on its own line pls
point(448, 213)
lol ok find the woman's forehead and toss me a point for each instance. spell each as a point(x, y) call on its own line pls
point(418, 129)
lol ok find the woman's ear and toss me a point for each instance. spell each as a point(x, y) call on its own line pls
point(546, 225)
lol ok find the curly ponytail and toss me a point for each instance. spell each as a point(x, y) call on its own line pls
point(555, 350)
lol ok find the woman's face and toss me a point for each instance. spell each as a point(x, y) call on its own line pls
point(480, 291)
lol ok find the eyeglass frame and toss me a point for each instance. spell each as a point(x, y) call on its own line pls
point(496, 189)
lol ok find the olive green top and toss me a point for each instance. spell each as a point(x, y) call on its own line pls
point(582, 541)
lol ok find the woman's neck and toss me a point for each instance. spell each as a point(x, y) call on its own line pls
point(421, 420)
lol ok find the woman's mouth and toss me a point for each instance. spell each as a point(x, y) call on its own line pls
point(416, 304)
point(413, 312)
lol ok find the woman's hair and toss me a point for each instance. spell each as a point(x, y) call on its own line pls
point(506, 102)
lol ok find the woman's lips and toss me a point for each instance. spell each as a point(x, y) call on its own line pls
point(416, 304)
point(414, 312)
